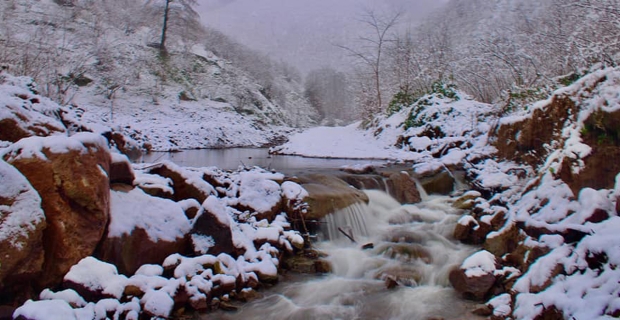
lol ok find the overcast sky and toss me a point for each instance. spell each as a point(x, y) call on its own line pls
point(302, 32)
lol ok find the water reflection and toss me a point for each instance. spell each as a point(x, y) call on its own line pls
point(233, 158)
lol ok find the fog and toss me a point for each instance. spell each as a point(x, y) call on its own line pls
point(303, 32)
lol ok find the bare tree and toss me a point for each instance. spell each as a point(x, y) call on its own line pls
point(371, 51)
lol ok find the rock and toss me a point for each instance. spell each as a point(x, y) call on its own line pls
point(6, 312)
point(247, 295)
point(124, 144)
point(474, 288)
point(403, 275)
point(143, 230)
point(483, 310)
point(466, 201)
point(440, 183)
point(259, 194)
point(403, 188)
point(327, 194)
point(94, 280)
point(213, 223)
point(121, 170)
point(524, 141)
point(504, 241)
point(185, 184)
point(20, 119)
point(71, 175)
point(22, 222)
point(475, 278)
point(405, 252)
point(470, 231)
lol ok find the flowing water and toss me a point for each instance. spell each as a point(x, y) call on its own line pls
point(413, 253)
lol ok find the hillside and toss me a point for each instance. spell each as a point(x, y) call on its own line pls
point(103, 60)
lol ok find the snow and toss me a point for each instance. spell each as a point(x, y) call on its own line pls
point(158, 303)
point(150, 270)
point(202, 243)
point(293, 191)
point(68, 295)
point(479, 264)
point(162, 219)
point(35, 147)
point(24, 213)
point(45, 310)
point(215, 206)
point(258, 192)
point(97, 276)
point(349, 142)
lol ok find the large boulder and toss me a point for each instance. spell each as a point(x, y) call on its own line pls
point(328, 194)
point(21, 234)
point(71, 176)
point(403, 188)
point(143, 230)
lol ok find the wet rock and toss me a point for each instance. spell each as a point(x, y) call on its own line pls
point(483, 310)
point(71, 176)
point(403, 188)
point(247, 295)
point(440, 183)
point(327, 194)
point(406, 276)
point(466, 201)
point(405, 252)
point(22, 222)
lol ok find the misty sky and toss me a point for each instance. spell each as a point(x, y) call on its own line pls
point(302, 32)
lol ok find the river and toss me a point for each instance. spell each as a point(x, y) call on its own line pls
point(404, 275)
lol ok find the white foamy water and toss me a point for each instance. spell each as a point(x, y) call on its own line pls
point(413, 247)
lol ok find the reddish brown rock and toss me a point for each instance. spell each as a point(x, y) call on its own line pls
point(212, 223)
point(121, 170)
point(71, 175)
point(524, 141)
point(505, 241)
point(130, 251)
point(19, 120)
point(474, 288)
point(184, 185)
point(21, 235)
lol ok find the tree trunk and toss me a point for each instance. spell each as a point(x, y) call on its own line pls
point(162, 44)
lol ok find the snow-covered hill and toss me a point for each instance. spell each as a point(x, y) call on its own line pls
point(100, 58)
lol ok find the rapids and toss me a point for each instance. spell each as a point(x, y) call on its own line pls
point(413, 253)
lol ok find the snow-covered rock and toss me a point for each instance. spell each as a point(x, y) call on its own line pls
point(71, 176)
point(22, 223)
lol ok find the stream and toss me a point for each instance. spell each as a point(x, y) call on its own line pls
point(403, 276)
point(413, 252)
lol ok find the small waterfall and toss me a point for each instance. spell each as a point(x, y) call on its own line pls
point(413, 250)
point(351, 220)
